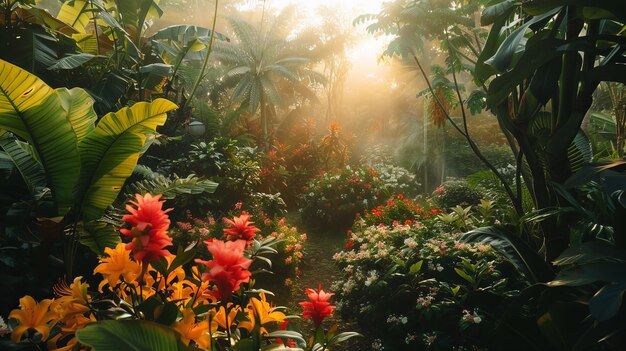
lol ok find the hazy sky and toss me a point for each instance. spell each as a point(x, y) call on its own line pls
point(366, 50)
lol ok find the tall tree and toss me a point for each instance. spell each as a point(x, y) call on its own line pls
point(265, 66)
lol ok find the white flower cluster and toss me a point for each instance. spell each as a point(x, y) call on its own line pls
point(377, 345)
point(469, 317)
point(397, 320)
point(372, 276)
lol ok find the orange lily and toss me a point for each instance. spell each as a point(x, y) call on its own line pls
point(32, 315)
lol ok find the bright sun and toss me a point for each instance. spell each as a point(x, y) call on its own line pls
point(366, 49)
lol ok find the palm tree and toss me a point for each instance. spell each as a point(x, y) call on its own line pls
point(265, 66)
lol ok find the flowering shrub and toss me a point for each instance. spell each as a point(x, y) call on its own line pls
point(415, 288)
point(289, 244)
point(334, 197)
point(397, 210)
point(395, 179)
point(161, 303)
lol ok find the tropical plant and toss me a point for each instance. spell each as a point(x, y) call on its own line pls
point(541, 102)
point(264, 67)
point(156, 300)
point(57, 145)
point(581, 306)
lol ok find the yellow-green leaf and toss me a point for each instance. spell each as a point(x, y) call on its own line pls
point(110, 152)
point(33, 111)
point(79, 106)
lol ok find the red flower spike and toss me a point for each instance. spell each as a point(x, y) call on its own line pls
point(318, 307)
point(240, 228)
point(149, 225)
point(228, 268)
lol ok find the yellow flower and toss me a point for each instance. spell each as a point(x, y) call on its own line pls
point(32, 315)
point(220, 317)
point(259, 310)
point(198, 332)
point(117, 264)
point(72, 299)
point(178, 273)
point(185, 290)
point(52, 343)
point(73, 312)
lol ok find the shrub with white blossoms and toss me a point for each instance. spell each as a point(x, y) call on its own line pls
point(333, 198)
point(414, 287)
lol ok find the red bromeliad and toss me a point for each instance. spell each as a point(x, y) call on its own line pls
point(318, 307)
point(149, 224)
point(240, 228)
point(228, 268)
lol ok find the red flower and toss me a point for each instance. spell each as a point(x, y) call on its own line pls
point(318, 307)
point(349, 244)
point(228, 268)
point(149, 224)
point(240, 228)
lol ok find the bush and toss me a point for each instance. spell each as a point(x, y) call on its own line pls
point(396, 180)
point(289, 246)
point(456, 192)
point(414, 287)
point(333, 198)
point(397, 210)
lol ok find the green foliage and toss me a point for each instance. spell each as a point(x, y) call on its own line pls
point(457, 192)
point(513, 248)
point(125, 335)
point(170, 187)
point(415, 287)
point(85, 165)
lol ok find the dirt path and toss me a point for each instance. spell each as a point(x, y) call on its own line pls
point(317, 267)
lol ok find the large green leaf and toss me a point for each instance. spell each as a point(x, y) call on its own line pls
point(591, 272)
point(514, 44)
point(72, 61)
point(78, 14)
point(31, 110)
point(153, 74)
point(110, 152)
point(186, 34)
point(110, 335)
point(29, 168)
point(514, 249)
point(607, 301)
point(30, 48)
point(494, 12)
point(98, 235)
point(79, 106)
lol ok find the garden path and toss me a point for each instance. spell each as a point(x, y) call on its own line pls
point(317, 267)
